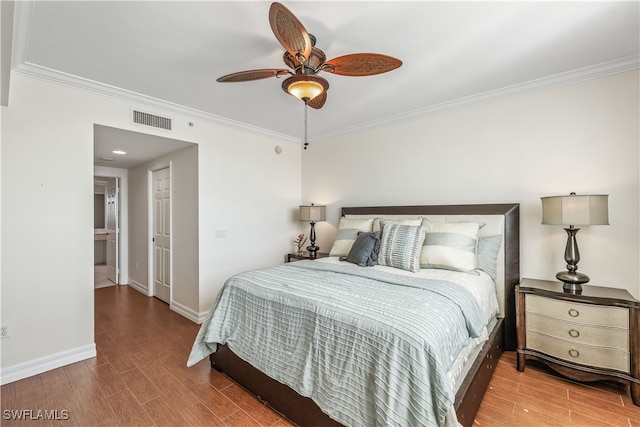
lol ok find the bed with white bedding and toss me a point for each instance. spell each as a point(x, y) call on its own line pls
point(390, 344)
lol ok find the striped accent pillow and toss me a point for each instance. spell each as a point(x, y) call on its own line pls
point(377, 221)
point(400, 246)
point(450, 245)
point(348, 233)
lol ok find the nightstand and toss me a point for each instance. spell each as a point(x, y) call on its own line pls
point(589, 336)
point(295, 257)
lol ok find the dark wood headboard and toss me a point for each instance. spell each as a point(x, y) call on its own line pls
point(511, 212)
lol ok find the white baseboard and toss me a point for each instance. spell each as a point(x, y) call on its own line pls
point(47, 363)
point(190, 314)
point(144, 289)
point(182, 310)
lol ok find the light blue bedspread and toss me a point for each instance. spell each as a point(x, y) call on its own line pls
point(371, 348)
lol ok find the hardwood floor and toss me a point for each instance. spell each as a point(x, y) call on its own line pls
point(539, 397)
point(139, 378)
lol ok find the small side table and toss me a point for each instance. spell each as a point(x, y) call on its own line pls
point(305, 255)
point(587, 336)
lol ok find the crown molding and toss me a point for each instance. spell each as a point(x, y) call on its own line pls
point(561, 79)
point(532, 86)
point(73, 81)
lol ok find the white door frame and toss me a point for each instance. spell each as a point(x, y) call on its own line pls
point(150, 258)
point(123, 253)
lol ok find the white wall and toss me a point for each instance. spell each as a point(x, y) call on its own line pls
point(244, 188)
point(251, 194)
point(584, 138)
point(47, 227)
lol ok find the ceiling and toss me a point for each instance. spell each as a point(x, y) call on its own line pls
point(169, 53)
point(138, 147)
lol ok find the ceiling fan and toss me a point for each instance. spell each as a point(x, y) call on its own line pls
point(306, 61)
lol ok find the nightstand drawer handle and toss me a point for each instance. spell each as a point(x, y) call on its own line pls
point(573, 312)
point(574, 353)
point(574, 333)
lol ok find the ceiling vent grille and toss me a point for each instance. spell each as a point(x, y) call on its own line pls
point(151, 120)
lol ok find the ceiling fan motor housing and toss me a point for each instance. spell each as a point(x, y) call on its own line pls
point(312, 64)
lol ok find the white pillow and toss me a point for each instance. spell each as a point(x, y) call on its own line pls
point(348, 233)
point(450, 245)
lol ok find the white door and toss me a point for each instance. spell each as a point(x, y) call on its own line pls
point(162, 234)
point(113, 230)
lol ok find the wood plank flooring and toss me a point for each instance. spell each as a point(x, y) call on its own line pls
point(139, 378)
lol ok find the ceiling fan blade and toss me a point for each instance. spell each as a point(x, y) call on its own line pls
point(245, 76)
point(318, 101)
point(361, 64)
point(289, 30)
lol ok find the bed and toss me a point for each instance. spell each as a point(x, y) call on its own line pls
point(411, 340)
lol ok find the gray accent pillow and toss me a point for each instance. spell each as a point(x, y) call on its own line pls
point(364, 251)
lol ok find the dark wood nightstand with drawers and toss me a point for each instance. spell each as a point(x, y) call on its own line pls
point(589, 336)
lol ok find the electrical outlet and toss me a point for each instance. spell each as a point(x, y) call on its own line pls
point(4, 331)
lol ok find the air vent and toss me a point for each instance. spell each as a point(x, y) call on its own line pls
point(151, 120)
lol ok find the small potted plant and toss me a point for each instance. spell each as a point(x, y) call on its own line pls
point(299, 242)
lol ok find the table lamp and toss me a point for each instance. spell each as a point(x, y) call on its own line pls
point(312, 214)
point(574, 210)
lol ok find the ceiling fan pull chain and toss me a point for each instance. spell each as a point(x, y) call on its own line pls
point(306, 144)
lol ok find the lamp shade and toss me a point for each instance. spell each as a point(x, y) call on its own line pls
point(576, 210)
point(312, 213)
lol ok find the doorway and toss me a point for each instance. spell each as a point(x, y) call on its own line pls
point(140, 155)
point(106, 231)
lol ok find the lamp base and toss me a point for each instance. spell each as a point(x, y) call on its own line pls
point(572, 280)
point(313, 251)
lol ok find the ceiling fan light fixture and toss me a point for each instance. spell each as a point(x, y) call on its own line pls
point(305, 89)
point(305, 86)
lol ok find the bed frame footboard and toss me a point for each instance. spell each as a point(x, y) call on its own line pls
point(298, 409)
point(304, 412)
